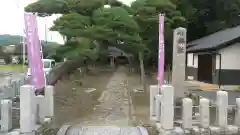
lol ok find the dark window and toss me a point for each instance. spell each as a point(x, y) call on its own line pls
point(214, 64)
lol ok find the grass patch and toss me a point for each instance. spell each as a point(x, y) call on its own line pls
point(13, 68)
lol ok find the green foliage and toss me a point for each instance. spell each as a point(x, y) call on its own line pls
point(78, 48)
point(90, 28)
point(205, 17)
point(9, 39)
point(147, 16)
point(71, 25)
point(97, 26)
point(15, 40)
point(48, 7)
point(7, 59)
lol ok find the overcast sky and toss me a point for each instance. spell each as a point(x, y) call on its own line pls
point(11, 14)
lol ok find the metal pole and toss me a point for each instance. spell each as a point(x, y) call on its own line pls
point(22, 39)
point(24, 51)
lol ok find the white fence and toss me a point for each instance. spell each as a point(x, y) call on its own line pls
point(34, 110)
point(162, 109)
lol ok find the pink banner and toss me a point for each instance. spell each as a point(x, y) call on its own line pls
point(33, 51)
point(161, 51)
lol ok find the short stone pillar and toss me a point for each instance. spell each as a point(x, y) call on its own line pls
point(222, 109)
point(204, 113)
point(158, 107)
point(187, 113)
point(49, 101)
point(27, 79)
point(7, 91)
point(237, 117)
point(14, 88)
point(153, 93)
point(22, 81)
point(41, 111)
point(6, 115)
point(27, 116)
point(167, 107)
point(9, 80)
point(18, 85)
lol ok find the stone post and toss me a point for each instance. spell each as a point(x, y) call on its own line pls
point(22, 81)
point(153, 93)
point(6, 115)
point(237, 118)
point(158, 107)
point(167, 107)
point(204, 113)
point(9, 80)
point(27, 116)
point(187, 113)
point(222, 109)
point(8, 90)
point(41, 111)
point(49, 101)
point(178, 63)
point(14, 88)
point(18, 85)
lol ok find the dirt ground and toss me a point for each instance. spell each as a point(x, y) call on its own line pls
point(71, 100)
point(140, 102)
point(73, 103)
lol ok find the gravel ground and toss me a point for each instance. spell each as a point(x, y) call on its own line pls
point(113, 109)
point(112, 115)
point(109, 105)
point(140, 102)
point(71, 100)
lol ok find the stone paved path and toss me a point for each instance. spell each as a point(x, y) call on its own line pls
point(113, 114)
point(114, 106)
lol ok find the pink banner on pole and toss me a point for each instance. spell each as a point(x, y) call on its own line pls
point(33, 50)
point(161, 51)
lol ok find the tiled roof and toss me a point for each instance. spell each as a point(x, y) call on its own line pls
point(214, 40)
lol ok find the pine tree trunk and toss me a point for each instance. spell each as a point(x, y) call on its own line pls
point(143, 82)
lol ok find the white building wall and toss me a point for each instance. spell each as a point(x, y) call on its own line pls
point(230, 60)
point(192, 60)
point(230, 57)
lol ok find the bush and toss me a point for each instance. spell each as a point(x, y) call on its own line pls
point(7, 59)
point(57, 58)
point(20, 59)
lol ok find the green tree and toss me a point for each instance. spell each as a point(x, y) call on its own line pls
point(91, 20)
point(205, 17)
point(112, 26)
point(146, 14)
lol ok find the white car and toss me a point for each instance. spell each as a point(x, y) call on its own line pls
point(48, 64)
